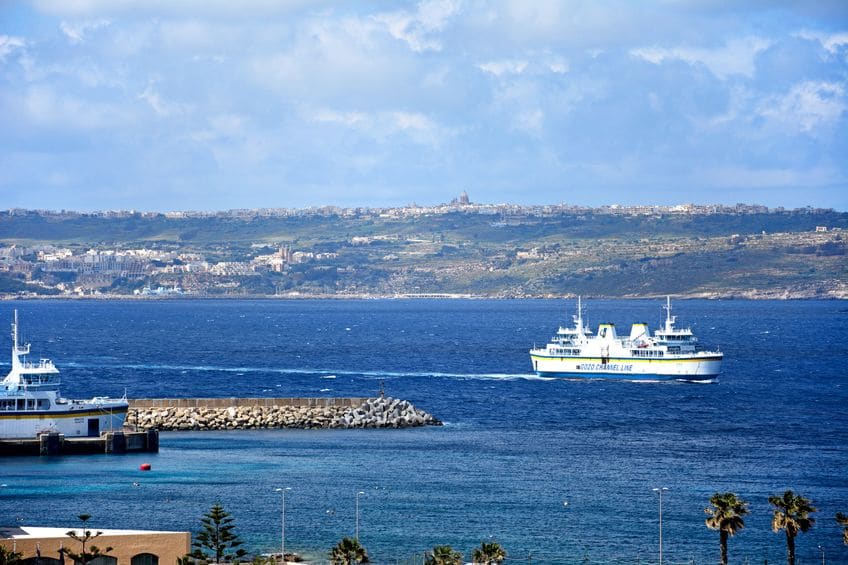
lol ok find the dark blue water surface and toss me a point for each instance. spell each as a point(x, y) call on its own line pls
point(514, 447)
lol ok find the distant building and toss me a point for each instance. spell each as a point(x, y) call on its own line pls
point(129, 547)
point(462, 200)
point(821, 228)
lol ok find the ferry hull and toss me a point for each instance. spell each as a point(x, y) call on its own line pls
point(691, 369)
point(72, 423)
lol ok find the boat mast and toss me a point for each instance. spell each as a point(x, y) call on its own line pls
point(17, 350)
point(669, 319)
point(13, 379)
point(578, 319)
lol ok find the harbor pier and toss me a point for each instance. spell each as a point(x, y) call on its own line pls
point(147, 417)
point(54, 443)
point(184, 414)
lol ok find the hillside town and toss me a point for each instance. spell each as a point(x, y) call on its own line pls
point(458, 248)
point(460, 204)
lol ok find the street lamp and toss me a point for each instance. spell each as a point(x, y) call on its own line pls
point(358, 494)
point(282, 491)
point(660, 491)
point(822, 554)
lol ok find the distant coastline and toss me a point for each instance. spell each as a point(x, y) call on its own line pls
point(460, 250)
point(743, 295)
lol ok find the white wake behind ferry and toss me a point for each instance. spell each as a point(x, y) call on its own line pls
point(30, 403)
point(671, 353)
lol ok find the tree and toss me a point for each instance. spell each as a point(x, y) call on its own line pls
point(792, 515)
point(726, 516)
point(842, 519)
point(8, 557)
point(347, 552)
point(489, 553)
point(93, 552)
point(216, 536)
point(444, 555)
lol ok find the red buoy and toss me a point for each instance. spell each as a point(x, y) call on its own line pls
point(144, 466)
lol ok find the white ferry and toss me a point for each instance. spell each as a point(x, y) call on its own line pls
point(671, 353)
point(30, 402)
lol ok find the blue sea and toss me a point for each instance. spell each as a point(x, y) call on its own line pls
point(514, 448)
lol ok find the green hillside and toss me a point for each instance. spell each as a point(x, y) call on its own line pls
point(777, 254)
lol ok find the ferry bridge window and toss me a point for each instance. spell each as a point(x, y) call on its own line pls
point(145, 559)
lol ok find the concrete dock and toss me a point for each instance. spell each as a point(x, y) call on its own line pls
point(117, 442)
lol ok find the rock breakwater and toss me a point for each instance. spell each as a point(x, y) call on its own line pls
point(258, 413)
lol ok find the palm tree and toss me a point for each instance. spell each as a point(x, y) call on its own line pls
point(726, 517)
point(842, 519)
point(444, 555)
point(347, 552)
point(792, 515)
point(489, 553)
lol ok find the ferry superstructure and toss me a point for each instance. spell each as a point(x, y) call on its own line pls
point(670, 353)
point(30, 402)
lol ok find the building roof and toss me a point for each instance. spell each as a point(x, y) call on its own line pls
point(23, 532)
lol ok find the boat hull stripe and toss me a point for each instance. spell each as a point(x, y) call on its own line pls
point(611, 360)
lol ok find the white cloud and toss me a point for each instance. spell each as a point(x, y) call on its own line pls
point(234, 141)
point(45, 107)
point(162, 107)
point(558, 66)
point(223, 9)
point(342, 62)
point(831, 42)
point(736, 57)
point(384, 124)
point(76, 31)
point(535, 62)
point(530, 120)
point(737, 110)
point(8, 44)
point(349, 119)
point(228, 125)
point(307, 88)
point(808, 106)
point(417, 28)
point(504, 67)
point(412, 121)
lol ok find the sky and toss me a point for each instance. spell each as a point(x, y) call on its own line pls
point(158, 105)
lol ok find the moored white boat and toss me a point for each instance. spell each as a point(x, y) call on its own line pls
point(670, 353)
point(30, 402)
